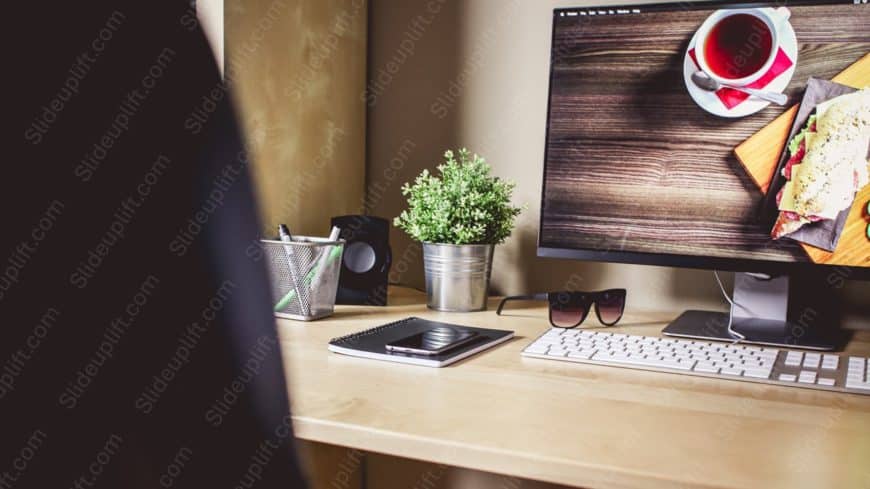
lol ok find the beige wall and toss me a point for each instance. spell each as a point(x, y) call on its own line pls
point(494, 56)
point(297, 68)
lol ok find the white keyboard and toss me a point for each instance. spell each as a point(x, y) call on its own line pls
point(709, 359)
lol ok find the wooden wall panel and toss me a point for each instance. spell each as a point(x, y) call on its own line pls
point(298, 71)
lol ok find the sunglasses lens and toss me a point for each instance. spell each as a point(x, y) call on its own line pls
point(566, 315)
point(610, 307)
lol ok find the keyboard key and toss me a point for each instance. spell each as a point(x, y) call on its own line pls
point(830, 362)
point(787, 377)
point(584, 354)
point(757, 373)
point(706, 367)
point(793, 358)
point(857, 385)
point(826, 381)
point(807, 377)
point(732, 371)
point(856, 378)
point(811, 360)
point(767, 361)
point(687, 364)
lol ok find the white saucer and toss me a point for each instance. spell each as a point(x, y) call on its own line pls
point(710, 102)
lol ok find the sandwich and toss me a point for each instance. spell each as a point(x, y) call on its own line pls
point(827, 163)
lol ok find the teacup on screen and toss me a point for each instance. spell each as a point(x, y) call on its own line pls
point(738, 46)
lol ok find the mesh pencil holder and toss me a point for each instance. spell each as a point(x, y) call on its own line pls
point(304, 274)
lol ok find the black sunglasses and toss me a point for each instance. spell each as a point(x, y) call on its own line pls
point(569, 309)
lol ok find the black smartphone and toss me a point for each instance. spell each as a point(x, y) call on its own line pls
point(432, 341)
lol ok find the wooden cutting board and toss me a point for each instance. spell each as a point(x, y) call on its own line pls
point(760, 153)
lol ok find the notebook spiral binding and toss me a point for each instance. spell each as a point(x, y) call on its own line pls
point(342, 339)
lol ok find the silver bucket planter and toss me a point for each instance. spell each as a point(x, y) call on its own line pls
point(457, 276)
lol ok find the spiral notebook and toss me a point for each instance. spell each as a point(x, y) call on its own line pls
point(371, 343)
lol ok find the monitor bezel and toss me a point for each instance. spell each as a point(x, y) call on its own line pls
point(670, 259)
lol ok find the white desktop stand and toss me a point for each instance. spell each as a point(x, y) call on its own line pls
point(761, 315)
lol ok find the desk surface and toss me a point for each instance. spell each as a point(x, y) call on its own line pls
point(581, 425)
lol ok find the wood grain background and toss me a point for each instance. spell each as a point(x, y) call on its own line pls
point(634, 163)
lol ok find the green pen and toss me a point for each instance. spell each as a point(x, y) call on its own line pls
point(867, 209)
point(312, 274)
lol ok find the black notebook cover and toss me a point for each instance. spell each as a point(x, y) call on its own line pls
point(371, 343)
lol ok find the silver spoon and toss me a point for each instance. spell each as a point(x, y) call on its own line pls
point(703, 80)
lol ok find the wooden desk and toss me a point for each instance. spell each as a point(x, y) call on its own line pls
point(572, 424)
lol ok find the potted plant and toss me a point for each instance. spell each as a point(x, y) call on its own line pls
point(459, 217)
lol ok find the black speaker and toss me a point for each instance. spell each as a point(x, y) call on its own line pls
point(365, 265)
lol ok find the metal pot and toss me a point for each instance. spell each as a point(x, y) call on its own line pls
point(457, 276)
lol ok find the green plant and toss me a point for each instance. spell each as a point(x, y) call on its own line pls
point(465, 205)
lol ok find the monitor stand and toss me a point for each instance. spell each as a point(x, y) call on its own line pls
point(761, 314)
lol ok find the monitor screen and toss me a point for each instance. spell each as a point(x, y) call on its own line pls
point(642, 165)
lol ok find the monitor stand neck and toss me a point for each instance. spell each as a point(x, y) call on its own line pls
point(760, 296)
point(761, 314)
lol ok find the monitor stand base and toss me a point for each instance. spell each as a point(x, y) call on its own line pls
point(761, 313)
point(713, 326)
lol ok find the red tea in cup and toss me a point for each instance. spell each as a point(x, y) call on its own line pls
point(738, 46)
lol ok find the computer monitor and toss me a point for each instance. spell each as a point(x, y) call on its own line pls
point(640, 163)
